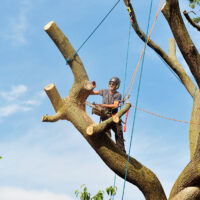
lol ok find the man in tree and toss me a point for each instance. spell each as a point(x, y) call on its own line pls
point(72, 108)
point(111, 100)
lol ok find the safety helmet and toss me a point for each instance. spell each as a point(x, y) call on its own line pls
point(115, 80)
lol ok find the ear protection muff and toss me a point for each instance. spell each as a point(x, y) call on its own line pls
point(116, 87)
point(116, 80)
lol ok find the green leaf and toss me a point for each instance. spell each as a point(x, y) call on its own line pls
point(192, 5)
point(76, 193)
point(82, 185)
point(1, 157)
point(196, 20)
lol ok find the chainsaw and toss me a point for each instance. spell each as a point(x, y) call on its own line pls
point(99, 110)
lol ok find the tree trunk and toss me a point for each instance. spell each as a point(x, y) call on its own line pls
point(195, 124)
point(72, 108)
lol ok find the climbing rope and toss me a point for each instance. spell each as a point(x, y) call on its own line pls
point(69, 59)
point(114, 185)
point(125, 73)
point(164, 62)
point(194, 93)
point(169, 118)
point(126, 96)
point(138, 92)
point(127, 55)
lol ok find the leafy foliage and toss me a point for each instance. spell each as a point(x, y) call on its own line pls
point(85, 195)
point(194, 4)
point(196, 19)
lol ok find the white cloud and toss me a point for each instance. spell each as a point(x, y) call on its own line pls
point(31, 102)
point(11, 109)
point(19, 24)
point(13, 193)
point(14, 104)
point(14, 93)
point(8, 110)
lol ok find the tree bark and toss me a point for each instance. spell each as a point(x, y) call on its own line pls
point(187, 185)
point(72, 108)
point(191, 21)
point(190, 53)
point(195, 126)
point(170, 60)
point(172, 14)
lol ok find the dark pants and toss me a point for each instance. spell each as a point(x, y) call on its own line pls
point(119, 138)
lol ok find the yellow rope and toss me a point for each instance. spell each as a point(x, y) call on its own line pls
point(126, 96)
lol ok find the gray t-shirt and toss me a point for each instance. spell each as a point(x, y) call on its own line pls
point(109, 98)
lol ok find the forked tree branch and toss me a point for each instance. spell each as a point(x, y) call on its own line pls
point(190, 53)
point(170, 60)
point(99, 128)
point(195, 25)
point(73, 110)
point(76, 65)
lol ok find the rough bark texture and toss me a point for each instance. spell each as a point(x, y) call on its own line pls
point(189, 180)
point(72, 108)
point(190, 53)
point(194, 128)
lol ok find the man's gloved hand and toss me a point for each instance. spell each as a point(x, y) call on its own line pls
point(94, 84)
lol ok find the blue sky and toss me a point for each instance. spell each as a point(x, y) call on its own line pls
point(50, 161)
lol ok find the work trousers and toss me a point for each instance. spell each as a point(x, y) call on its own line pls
point(117, 128)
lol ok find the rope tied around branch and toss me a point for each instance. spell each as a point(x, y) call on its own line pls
point(68, 60)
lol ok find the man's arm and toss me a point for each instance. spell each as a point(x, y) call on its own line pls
point(95, 92)
point(114, 105)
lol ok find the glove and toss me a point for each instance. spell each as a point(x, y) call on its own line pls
point(94, 84)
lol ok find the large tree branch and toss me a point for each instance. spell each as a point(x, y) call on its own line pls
point(171, 60)
point(195, 25)
point(72, 109)
point(188, 182)
point(80, 76)
point(102, 127)
point(189, 193)
point(190, 53)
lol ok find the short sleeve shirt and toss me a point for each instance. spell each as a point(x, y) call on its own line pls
point(109, 98)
